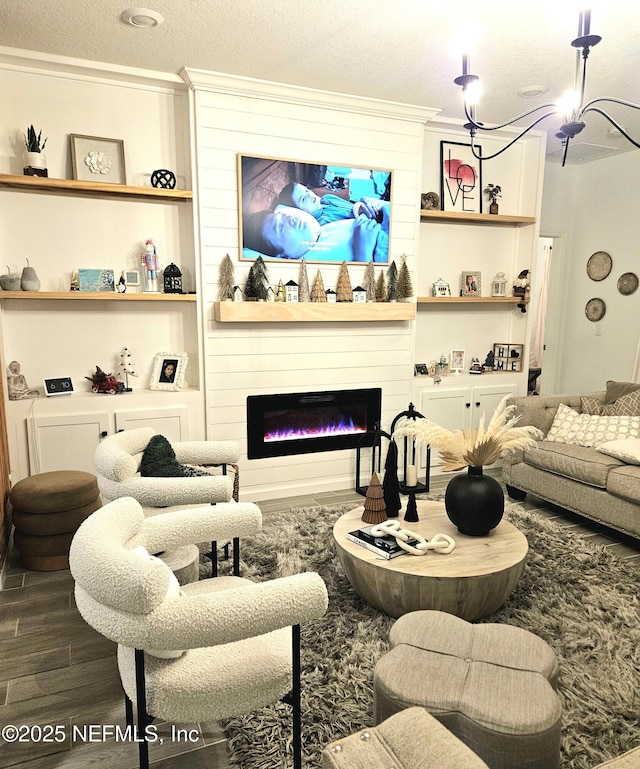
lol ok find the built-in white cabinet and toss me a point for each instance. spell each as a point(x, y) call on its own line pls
point(64, 442)
point(461, 407)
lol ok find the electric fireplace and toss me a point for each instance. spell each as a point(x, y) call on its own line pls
point(301, 423)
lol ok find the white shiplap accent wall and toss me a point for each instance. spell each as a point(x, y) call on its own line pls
point(237, 115)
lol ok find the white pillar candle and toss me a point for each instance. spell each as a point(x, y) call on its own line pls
point(412, 475)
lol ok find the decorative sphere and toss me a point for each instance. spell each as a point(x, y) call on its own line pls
point(164, 179)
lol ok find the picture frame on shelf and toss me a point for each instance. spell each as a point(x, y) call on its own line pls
point(456, 361)
point(440, 288)
point(131, 277)
point(97, 159)
point(508, 357)
point(420, 369)
point(327, 199)
point(168, 371)
point(470, 283)
point(96, 281)
point(460, 178)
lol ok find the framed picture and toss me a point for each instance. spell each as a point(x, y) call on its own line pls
point(168, 371)
point(470, 283)
point(131, 277)
point(420, 369)
point(460, 178)
point(291, 209)
point(97, 160)
point(440, 288)
point(96, 280)
point(508, 357)
point(456, 362)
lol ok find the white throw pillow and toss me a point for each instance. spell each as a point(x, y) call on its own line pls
point(627, 450)
point(590, 430)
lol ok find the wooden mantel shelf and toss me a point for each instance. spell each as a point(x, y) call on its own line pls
point(457, 217)
point(96, 296)
point(304, 312)
point(472, 300)
point(73, 186)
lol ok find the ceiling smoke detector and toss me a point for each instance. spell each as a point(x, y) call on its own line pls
point(141, 17)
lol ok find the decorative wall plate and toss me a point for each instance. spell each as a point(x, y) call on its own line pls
point(599, 265)
point(627, 283)
point(595, 309)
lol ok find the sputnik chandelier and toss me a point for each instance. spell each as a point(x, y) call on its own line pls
point(572, 106)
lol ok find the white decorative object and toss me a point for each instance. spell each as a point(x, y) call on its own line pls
point(168, 371)
point(291, 291)
point(126, 367)
point(359, 294)
point(441, 543)
point(17, 384)
point(499, 285)
point(412, 475)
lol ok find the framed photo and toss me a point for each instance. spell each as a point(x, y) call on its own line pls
point(131, 277)
point(97, 160)
point(420, 369)
point(470, 283)
point(508, 357)
point(291, 209)
point(96, 280)
point(456, 362)
point(460, 178)
point(168, 371)
point(440, 288)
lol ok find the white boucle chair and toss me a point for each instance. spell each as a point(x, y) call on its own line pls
point(212, 649)
point(117, 463)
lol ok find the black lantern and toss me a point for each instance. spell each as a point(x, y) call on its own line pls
point(409, 482)
point(373, 439)
point(172, 279)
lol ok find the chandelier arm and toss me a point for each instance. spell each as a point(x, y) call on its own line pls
point(498, 126)
point(613, 122)
point(589, 104)
point(513, 141)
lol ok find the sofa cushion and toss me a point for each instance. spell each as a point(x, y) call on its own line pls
point(628, 405)
point(570, 461)
point(616, 389)
point(627, 450)
point(624, 482)
point(159, 460)
point(569, 426)
point(591, 405)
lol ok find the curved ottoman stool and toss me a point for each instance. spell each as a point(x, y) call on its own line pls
point(492, 685)
point(47, 510)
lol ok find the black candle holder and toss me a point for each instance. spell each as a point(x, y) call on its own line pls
point(373, 439)
point(410, 447)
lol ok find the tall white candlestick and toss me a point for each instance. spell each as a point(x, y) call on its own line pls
point(412, 475)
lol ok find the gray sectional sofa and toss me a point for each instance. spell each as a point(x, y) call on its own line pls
point(577, 478)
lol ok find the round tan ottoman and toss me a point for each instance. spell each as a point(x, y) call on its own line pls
point(491, 685)
point(47, 510)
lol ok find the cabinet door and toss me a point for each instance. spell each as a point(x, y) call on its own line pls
point(65, 441)
point(447, 407)
point(172, 422)
point(485, 400)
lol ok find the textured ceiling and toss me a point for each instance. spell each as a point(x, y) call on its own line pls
point(397, 50)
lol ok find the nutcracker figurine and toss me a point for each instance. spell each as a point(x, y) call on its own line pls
point(149, 259)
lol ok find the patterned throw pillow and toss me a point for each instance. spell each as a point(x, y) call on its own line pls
point(625, 405)
point(591, 430)
point(590, 405)
point(626, 451)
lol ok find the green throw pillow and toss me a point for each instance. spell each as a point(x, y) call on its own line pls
point(159, 460)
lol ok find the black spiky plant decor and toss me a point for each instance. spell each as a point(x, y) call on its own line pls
point(33, 141)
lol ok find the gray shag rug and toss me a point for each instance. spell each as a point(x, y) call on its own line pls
point(577, 596)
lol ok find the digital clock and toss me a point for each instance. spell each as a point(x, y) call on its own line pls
point(58, 386)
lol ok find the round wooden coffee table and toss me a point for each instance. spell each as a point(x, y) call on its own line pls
point(471, 582)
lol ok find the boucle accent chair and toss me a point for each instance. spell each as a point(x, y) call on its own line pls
point(117, 462)
point(212, 649)
point(491, 685)
point(411, 739)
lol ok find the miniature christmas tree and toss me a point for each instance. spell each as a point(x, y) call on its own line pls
point(405, 287)
point(261, 279)
point(411, 514)
point(391, 485)
point(225, 280)
point(304, 295)
point(392, 283)
point(374, 506)
point(125, 368)
point(317, 292)
point(343, 289)
point(381, 288)
point(369, 282)
point(250, 286)
point(279, 297)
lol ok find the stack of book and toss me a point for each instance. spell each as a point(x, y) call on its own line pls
point(385, 546)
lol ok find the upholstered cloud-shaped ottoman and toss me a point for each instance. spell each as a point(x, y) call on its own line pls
point(492, 685)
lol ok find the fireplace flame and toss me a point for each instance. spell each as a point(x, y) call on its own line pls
point(293, 434)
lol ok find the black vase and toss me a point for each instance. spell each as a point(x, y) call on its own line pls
point(474, 502)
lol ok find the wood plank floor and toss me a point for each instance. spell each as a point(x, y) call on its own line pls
point(56, 670)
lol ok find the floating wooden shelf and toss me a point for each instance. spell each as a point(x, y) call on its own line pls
point(472, 300)
point(457, 217)
point(302, 312)
point(72, 186)
point(96, 296)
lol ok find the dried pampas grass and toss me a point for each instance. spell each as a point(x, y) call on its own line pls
point(476, 448)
